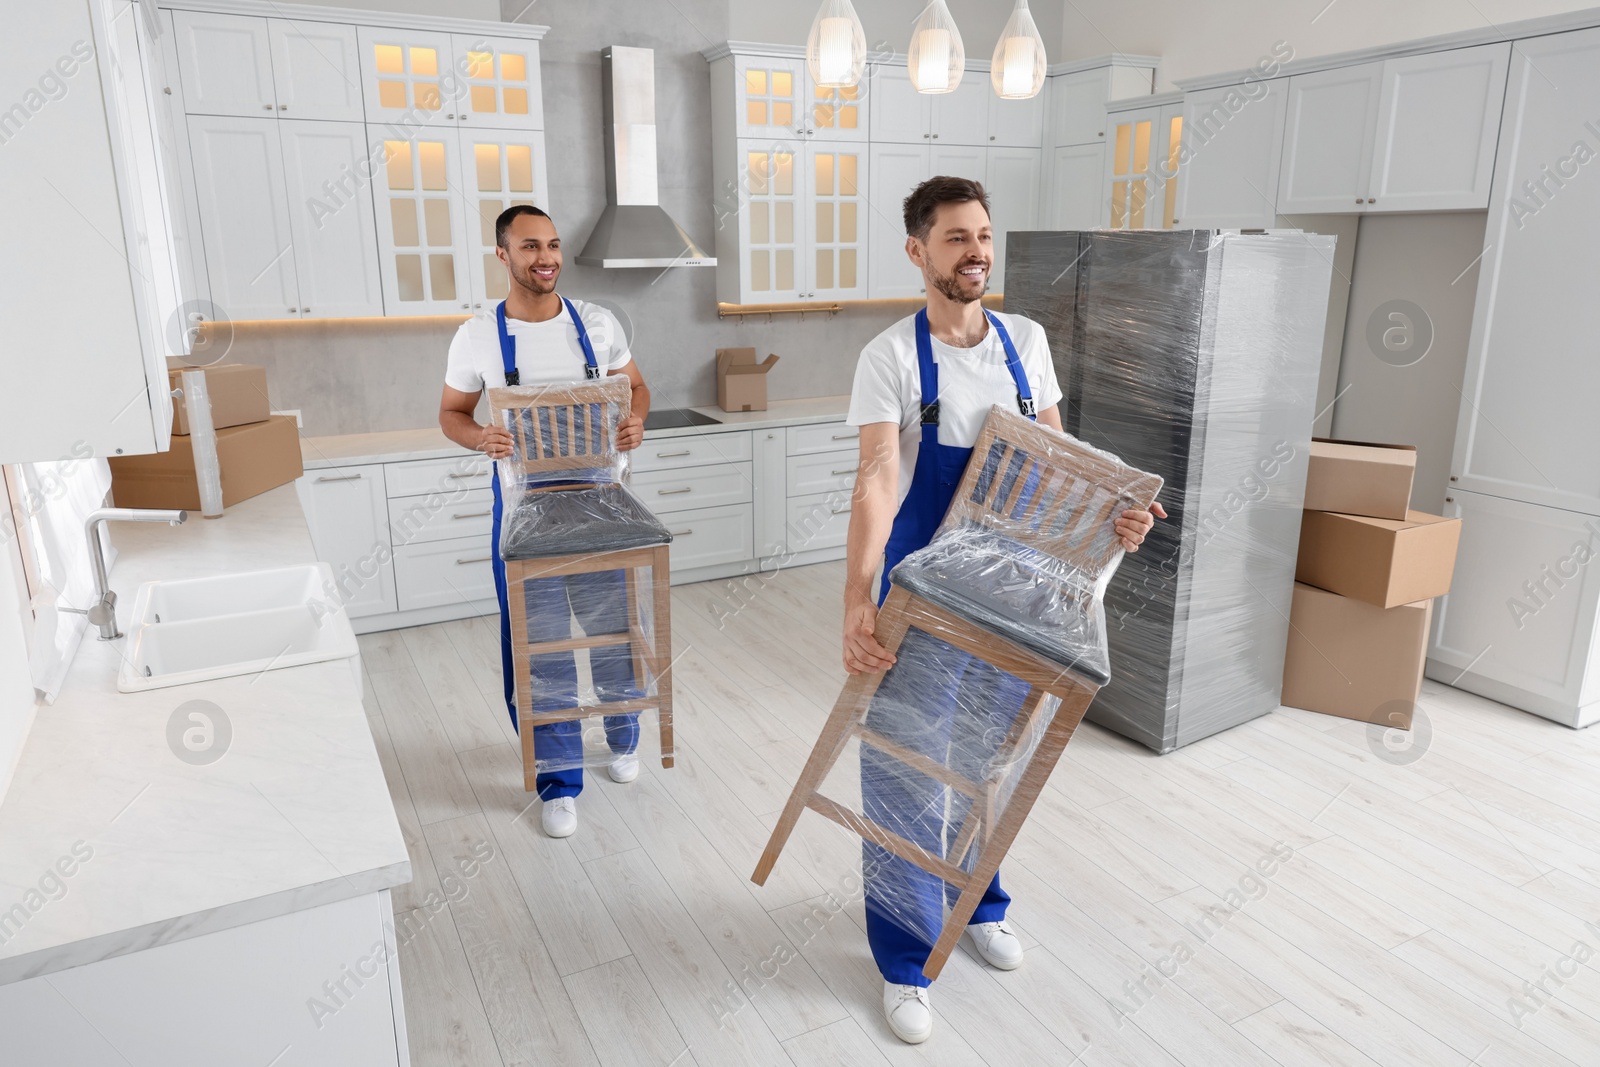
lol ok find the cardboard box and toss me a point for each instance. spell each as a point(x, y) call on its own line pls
point(741, 381)
point(1358, 478)
point(1385, 562)
point(254, 458)
point(238, 394)
point(1351, 659)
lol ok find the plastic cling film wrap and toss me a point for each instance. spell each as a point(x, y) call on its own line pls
point(586, 580)
point(1000, 642)
point(615, 682)
point(1193, 354)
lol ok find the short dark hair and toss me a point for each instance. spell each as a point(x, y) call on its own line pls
point(503, 222)
point(923, 203)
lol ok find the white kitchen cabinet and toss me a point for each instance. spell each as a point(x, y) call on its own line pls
point(1142, 173)
point(709, 537)
point(226, 64)
point(330, 219)
point(818, 522)
point(1526, 429)
point(348, 512)
point(421, 220)
point(1410, 134)
point(959, 160)
point(249, 66)
point(244, 216)
point(501, 82)
point(1016, 123)
point(895, 171)
point(1075, 199)
point(902, 115)
point(688, 488)
point(498, 170)
point(1438, 125)
point(316, 71)
point(803, 229)
point(1327, 140)
point(1013, 184)
point(770, 493)
point(172, 129)
point(444, 574)
point(1232, 142)
point(1518, 625)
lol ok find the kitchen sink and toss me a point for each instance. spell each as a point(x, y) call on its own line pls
point(198, 629)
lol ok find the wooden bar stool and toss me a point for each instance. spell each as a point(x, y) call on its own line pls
point(566, 512)
point(1014, 579)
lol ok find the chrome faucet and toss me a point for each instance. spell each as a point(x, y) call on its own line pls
point(103, 612)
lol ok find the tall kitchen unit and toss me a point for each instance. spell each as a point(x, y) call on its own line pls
point(1519, 625)
point(1192, 354)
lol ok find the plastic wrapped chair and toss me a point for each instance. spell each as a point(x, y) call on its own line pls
point(1013, 578)
point(567, 510)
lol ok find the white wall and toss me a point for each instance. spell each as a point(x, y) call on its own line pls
point(889, 21)
point(16, 685)
point(1195, 38)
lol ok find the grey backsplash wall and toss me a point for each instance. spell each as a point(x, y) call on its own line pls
point(358, 376)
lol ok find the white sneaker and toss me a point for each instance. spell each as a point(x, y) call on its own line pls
point(908, 1011)
point(560, 816)
point(624, 769)
point(997, 944)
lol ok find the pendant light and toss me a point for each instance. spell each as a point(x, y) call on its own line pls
point(836, 51)
point(1017, 69)
point(936, 57)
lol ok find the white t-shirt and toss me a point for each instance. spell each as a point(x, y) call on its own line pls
point(888, 386)
point(548, 352)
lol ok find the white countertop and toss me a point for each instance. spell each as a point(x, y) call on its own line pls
point(391, 446)
point(294, 815)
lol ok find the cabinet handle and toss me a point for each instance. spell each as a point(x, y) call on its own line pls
point(467, 306)
point(935, 137)
point(847, 470)
point(474, 559)
point(675, 455)
point(925, 136)
point(458, 475)
point(681, 533)
point(846, 436)
point(991, 137)
point(674, 492)
point(1372, 200)
point(294, 311)
point(266, 107)
point(1358, 200)
point(283, 107)
point(840, 511)
point(339, 478)
point(305, 311)
point(471, 514)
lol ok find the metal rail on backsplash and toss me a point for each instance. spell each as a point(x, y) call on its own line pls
point(735, 311)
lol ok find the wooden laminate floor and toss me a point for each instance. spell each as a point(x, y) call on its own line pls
point(1288, 892)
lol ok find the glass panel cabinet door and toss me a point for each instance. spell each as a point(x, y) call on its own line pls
point(837, 222)
point(499, 83)
point(836, 114)
point(771, 267)
point(407, 76)
point(1135, 142)
point(498, 170)
point(422, 236)
point(771, 99)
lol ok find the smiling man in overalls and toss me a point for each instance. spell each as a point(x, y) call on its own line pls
point(537, 337)
point(922, 390)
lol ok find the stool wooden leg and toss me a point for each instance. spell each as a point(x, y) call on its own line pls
point(517, 609)
point(660, 578)
point(1000, 836)
point(848, 712)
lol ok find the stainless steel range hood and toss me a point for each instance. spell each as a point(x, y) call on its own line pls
point(633, 231)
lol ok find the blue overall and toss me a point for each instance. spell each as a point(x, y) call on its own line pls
point(945, 704)
point(597, 599)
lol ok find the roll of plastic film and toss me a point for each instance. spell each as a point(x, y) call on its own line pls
point(203, 439)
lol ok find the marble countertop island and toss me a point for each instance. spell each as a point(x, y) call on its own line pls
point(292, 815)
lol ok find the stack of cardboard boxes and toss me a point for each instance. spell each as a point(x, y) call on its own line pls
point(256, 449)
point(1367, 573)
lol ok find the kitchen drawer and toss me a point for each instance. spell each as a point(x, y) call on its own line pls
point(431, 574)
point(822, 437)
point(417, 477)
point(438, 518)
point(817, 521)
point(662, 453)
point(707, 536)
point(694, 487)
point(822, 472)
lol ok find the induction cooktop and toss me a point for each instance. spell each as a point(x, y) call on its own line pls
point(671, 418)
